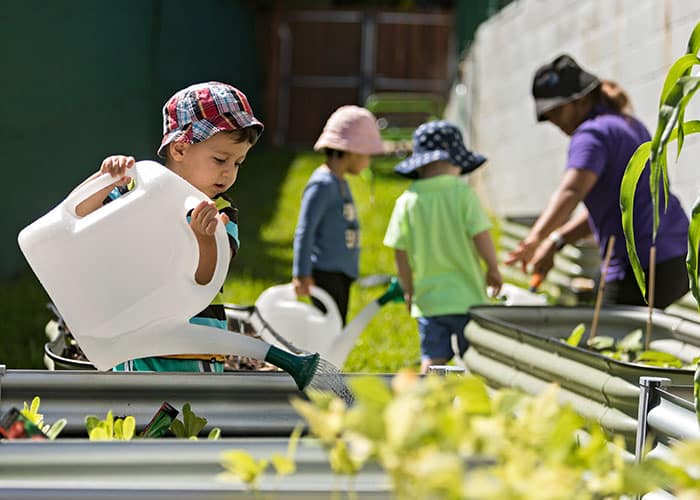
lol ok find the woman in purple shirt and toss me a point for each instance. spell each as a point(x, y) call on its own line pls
point(604, 136)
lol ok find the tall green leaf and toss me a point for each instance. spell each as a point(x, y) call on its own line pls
point(671, 109)
point(693, 242)
point(679, 68)
point(694, 41)
point(628, 187)
point(675, 102)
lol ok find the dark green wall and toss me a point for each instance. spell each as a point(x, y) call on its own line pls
point(470, 14)
point(83, 79)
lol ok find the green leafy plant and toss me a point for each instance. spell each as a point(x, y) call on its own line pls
point(679, 88)
point(109, 429)
point(629, 349)
point(191, 425)
point(242, 466)
point(448, 437)
point(31, 412)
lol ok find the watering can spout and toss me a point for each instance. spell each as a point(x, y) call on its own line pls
point(301, 368)
point(393, 293)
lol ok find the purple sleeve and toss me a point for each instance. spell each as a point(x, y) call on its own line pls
point(587, 151)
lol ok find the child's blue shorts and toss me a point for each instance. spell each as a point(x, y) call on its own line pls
point(436, 335)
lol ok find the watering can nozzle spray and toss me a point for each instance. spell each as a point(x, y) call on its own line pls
point(301, 368)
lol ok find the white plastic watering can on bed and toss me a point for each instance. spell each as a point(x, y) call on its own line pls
point(123, 275)
point(305, 328)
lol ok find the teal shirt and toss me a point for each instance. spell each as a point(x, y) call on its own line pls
point(434, 221)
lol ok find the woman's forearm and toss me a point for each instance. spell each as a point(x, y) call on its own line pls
point(574, 187)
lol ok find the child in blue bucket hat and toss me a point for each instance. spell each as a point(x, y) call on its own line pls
point(438, 231)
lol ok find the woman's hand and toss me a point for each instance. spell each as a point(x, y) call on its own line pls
point(523, 253)
point(543, 259)
point(302, 285)
point(116, 166)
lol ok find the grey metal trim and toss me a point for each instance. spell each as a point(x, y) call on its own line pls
point(245, 404)
point(241, 404)
point(671, 421)
point(168, 468)
point(648, 399)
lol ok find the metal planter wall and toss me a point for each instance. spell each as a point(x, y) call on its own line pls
point(168, 468)
point(251, 409)
point(522, 347)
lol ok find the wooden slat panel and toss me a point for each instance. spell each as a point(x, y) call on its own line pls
point(309, 109)
point(412, 51)
point(327, 58)
point(327, 49)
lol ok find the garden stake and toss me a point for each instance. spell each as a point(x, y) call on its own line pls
point(652, 282)
point(599, 298)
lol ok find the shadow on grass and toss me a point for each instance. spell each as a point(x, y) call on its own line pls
point(256, 193)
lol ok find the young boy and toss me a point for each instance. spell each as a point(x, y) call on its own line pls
point(438, 230)
point(208, 130)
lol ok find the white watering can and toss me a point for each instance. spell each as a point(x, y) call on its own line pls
point(513, 295)
point(303, 327)
point(123, 275)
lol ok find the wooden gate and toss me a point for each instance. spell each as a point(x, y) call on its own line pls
point(318, 60)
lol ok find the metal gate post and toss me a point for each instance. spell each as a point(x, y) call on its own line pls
point(648, 399)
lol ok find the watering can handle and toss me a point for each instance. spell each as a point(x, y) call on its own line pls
point(91, 187)
point(325, 298)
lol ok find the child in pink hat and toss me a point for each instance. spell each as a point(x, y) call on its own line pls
point(327, 236)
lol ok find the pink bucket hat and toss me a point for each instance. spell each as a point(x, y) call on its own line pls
point(353, 129)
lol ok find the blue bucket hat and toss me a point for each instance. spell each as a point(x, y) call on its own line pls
point(438, 141)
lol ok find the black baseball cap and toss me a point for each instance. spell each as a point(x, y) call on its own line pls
point(559, 82)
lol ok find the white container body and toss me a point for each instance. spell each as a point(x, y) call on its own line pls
point(123, 276)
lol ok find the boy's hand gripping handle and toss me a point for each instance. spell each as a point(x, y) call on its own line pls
point(91, 187)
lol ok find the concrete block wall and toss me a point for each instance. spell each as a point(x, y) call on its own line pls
point(633, 42)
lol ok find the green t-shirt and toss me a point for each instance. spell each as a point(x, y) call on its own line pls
point(434, 222)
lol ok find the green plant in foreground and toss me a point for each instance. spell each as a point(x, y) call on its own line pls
point(448, 437)
point(242, 466)
point(109, 429)
point(31, 412)
point(679, 88)
point(191, 425)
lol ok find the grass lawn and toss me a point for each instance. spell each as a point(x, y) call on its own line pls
point(268, 194)
point(268, 219)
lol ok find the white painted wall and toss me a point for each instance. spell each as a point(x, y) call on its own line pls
point(630, 41)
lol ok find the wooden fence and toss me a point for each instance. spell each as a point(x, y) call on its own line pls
point(317, 60)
